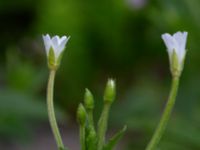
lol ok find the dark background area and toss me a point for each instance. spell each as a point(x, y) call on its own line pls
point(109, 38)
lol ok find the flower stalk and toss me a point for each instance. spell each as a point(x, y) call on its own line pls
point(109, 96)
point(81, 118)
point(165, 117)
point(82, 137)
point(51, 113)
point(102, 126)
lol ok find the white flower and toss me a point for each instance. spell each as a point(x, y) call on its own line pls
point(176, 48)
point(57, 45)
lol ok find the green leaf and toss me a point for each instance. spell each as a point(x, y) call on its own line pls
point(115, 139)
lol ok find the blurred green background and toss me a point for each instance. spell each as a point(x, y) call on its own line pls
point(109, 38)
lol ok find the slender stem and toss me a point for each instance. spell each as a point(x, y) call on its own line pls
point(51, 113)
point(91, 133)
point(102, 126)
point(82, 137)
point(165, 117)
point(91, 127)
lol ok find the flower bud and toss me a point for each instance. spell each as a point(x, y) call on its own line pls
point(110, 91)
point(88, 100)
point(81, 115)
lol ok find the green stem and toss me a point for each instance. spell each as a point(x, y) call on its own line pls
point(82, 137)
point(165, 117)
point(90, 118)
point(51, 113)
point(102, 126)
point(91, 133)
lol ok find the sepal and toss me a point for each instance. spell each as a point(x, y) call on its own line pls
point(175, 65)
point(51, 59)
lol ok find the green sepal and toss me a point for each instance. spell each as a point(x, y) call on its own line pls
point(176, 67)
point(58, 61)
point(183, 61)
point(51, 59)
point(115, 139)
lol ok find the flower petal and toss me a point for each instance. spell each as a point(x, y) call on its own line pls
point(63, 42)
point(47, 42)
point(170, 42)
point(181, 41)
point(62, 39)
point(55, 43)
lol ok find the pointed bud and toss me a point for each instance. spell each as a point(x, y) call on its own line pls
point(110, 91)
point(81, 115)
point(88, 100)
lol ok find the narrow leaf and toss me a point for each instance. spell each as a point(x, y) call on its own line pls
point(115, 139)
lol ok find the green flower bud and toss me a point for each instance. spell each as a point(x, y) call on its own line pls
point(110, 91)
point(88, 100)
point(81, 115)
